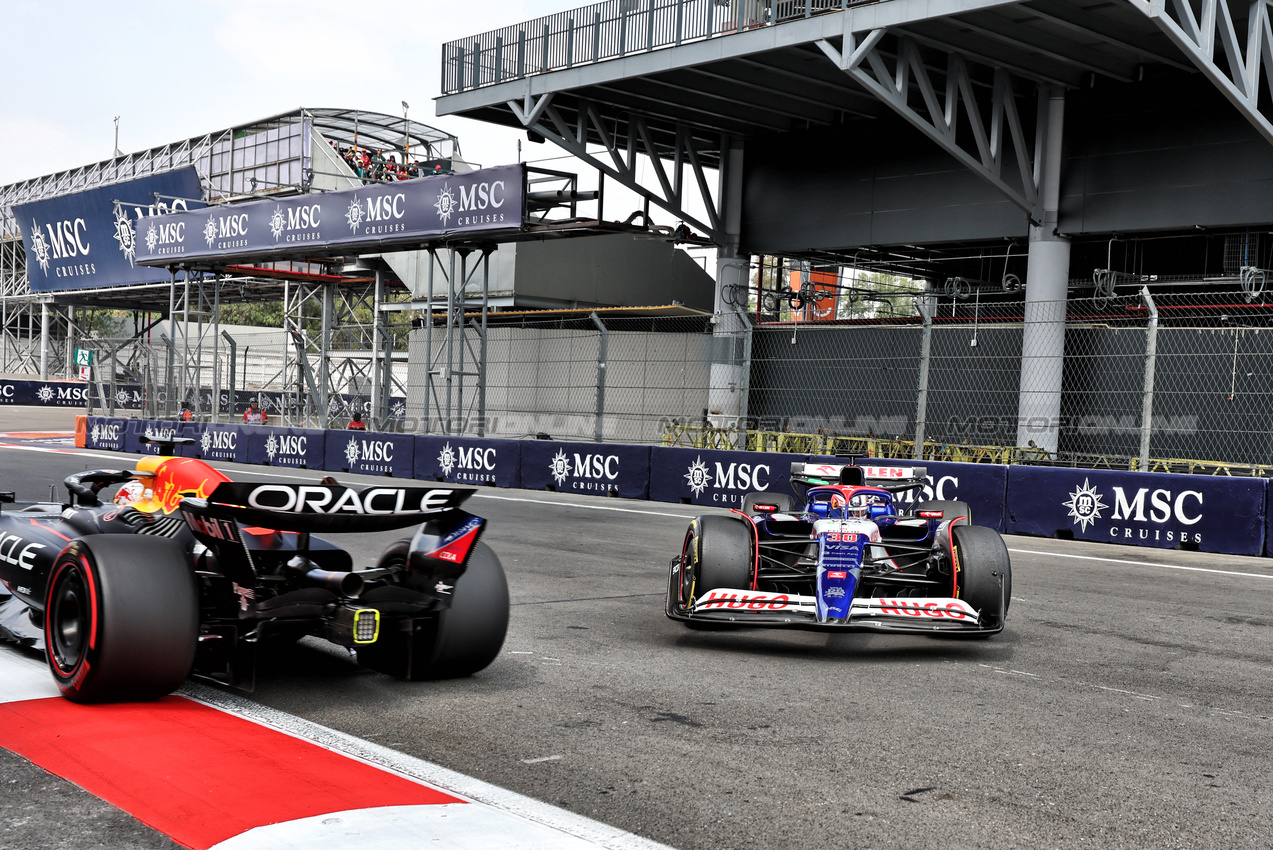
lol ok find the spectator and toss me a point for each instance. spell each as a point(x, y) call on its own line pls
point(186, 413)
point(254, 415)
point(356, 424)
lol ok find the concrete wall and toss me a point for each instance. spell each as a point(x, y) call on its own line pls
point(544, 380)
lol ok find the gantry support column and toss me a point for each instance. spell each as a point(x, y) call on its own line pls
point(725, 402)
point(1043, 336)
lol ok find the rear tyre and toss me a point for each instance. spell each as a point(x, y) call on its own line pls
point(460, 640)
point(950, 509)
point(981, 554)
point(121, 618)
point(780, 501)
point(471, 632)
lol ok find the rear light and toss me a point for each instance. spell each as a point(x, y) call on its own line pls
point(767, 509)
point(366, 625)
point(931, 514)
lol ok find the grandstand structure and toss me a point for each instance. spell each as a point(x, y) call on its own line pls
point(1028, 152)
point(331, 312)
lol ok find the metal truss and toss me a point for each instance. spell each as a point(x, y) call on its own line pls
point(541, 116)
point(454, 358)
point(1244, 60)
point(940, 104)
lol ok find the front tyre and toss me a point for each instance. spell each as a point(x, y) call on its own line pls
point(121, 618)
point(982, 557)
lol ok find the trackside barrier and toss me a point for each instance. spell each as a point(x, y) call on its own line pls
point(469, 460)
point(715, 477)
point(138, 428)
point(599, 469)
point(108, 434)
point(983, 486)
point(63, 394)
point(371, 453)
point(1163, 510)
point(299, 448)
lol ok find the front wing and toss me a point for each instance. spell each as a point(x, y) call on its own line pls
point(916, 615)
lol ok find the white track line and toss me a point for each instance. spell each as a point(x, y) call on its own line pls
point(1141, 563)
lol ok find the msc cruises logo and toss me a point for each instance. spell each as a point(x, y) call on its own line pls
point(698, 476)
point(40, 246)
point(125, 235)
point(446, 459)
point(559, 467)
point(445, 205)
point(1085, 505)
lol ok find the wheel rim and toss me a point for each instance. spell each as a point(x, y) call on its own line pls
point(68, 620)
point(687, 571)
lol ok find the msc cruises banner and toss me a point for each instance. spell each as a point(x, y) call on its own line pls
point(364, 217)
point(86, 240)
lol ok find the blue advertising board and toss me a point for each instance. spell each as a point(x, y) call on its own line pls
point(43, 393)
point(717, 477)
point(215, 442)
point(299, 448)
point(108, 434)
point(371, 453)
point(1209, 513)
point(361, 218)
point(87, 240)
point(468, 460)
point(981, 485)
point(598, 469)
point(157, 428)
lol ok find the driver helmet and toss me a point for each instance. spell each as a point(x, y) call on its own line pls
point(131, 493)
point(859, 506)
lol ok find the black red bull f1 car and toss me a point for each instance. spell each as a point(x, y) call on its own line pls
point(845, 559)
point(189, 572)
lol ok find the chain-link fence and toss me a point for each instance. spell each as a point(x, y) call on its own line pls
point(1165, 378)
point(1174, 380)
point(581, 378)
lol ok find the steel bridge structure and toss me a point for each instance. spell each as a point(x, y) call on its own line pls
point(928, 138)
point(330, 312)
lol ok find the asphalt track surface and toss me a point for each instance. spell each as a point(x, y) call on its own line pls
point(1127, 704)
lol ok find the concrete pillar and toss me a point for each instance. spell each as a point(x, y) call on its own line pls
point(726, 403)
point(1043, 335)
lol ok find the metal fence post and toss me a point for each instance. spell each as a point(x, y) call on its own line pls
point(599, 434)
point(1147, 397)
point(744, 380)
point(925, 306)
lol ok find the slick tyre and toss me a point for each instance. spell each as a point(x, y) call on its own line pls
point(781, 503)
point(981, 555)
point(121, 618)
point(950, 509)
point(459, 641)
point(720, 553)
point(717, 553)
point(471, 632)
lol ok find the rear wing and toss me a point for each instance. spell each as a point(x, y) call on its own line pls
point(328, 508)
point(894, 479)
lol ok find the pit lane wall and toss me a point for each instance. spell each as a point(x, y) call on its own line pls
point(1199, 512)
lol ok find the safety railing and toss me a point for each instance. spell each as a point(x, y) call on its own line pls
point(609, 30)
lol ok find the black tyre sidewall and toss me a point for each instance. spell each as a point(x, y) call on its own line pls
point(471, 632)
point(722, 555)
point(982, 553)
point(143, 622)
